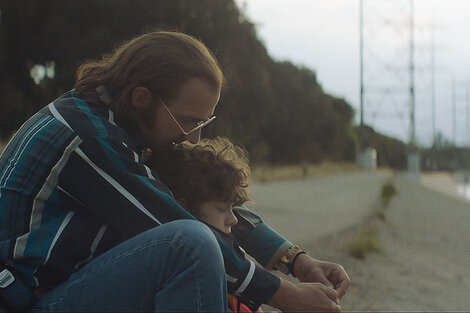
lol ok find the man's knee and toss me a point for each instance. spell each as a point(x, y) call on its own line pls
point(192, 235)
point(189, 227)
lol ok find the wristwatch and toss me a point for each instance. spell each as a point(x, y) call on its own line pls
point(286, 264)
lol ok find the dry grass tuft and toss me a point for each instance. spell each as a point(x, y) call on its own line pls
point(365, 240)
point(387, 192)
point(363, 243)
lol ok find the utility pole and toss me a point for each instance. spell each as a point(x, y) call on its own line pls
point(412, 79)
point(361, 44)
point(388, 66)
point(433, 77)
point(413, 154)
point(467, 97)
point(433, 94)
point(367, 157)
point(454, 115)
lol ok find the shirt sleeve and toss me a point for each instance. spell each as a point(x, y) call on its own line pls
point(258, 239)
point(108, 179)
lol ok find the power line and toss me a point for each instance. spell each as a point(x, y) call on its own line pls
point(391, 60)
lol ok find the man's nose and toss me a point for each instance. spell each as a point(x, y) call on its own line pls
point(233, 220)
point(194, 137)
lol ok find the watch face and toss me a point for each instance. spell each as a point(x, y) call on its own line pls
point(285, 259)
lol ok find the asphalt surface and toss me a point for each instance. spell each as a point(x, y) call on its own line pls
point(308, 209)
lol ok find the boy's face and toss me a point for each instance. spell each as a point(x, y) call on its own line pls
point(219, 214)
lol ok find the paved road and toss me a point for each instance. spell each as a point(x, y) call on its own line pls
point(305, 210)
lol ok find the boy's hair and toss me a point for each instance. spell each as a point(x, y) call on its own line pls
point(162, 61)
point(213, 169)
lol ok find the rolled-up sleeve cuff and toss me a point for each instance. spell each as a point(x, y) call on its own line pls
point(267, 246)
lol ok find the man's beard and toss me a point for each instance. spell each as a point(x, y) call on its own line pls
point(161, 152)
point(170, 144)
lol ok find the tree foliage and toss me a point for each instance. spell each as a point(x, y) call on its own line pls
point(447, 158)
point(276, 109)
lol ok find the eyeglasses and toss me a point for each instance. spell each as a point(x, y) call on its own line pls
point(200, 124)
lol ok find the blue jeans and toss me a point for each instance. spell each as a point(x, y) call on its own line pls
point(174, 267)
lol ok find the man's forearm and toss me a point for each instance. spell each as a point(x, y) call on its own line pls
point(281, 298)
point(258, 239)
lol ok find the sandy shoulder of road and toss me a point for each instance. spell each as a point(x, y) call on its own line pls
point(423, 265)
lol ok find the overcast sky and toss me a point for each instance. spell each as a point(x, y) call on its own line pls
point(323, 35)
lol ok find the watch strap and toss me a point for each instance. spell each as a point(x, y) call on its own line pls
point(286, 263)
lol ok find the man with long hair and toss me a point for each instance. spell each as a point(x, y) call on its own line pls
point(87, 226)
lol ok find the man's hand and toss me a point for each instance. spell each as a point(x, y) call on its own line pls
point(305, 297)
point(308, 269)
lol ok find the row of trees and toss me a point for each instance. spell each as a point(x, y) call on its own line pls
point(446, 158)
point(276, 109)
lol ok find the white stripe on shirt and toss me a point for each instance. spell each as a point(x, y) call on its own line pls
point(64, 224)
point(50, 184)
point(149, 172)
point(111, 117)
point(247, 280)
point(20, 152)
point(57, 115)
point(117, 186)
point(231, 279)
point(93, 247)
